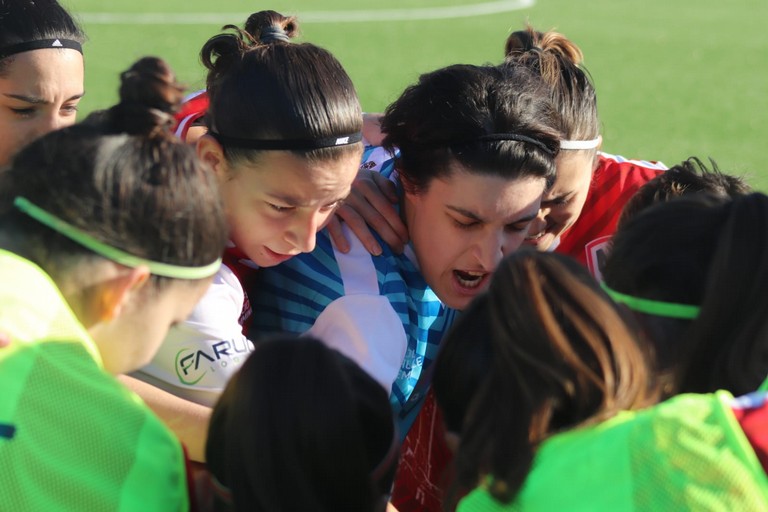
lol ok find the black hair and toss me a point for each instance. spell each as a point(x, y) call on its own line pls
point(691, 176)
point(454, 115)
point(710, 252)
point(23, 21)
point(301, 427)
point(263, 87)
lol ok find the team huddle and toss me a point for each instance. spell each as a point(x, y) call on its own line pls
point(259, 297)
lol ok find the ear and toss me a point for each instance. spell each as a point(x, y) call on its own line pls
point(408, 186)
point(119, 291)
point(596, 163)
point(210, 151)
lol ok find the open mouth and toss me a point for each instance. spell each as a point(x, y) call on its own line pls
point(469, 279)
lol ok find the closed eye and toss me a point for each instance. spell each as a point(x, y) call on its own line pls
point(332, 206)
point(558, 201)
point(465, 225)
point(280, 209)
point(518, 226)
point(23, 112)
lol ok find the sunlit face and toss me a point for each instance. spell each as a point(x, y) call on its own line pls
point(462, 225)
point(276, 206)
point(131, 340)
point(563, 202)
point(39, 93)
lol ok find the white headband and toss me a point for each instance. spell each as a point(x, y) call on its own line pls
point(579, 144)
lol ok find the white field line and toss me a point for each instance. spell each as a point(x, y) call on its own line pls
point(204, 18)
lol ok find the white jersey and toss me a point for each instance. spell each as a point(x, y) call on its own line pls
point(201, 354)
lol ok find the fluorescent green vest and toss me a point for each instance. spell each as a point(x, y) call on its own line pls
point(72, 438)
point(688, 453)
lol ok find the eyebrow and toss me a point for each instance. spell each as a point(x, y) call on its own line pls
point(37, 100)
point(560, 197)
point(295, 202)
point(471, 215)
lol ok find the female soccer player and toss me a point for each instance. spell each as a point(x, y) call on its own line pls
point(283, 139)
point(41, 71)
point(476, 151)
point(110, 232)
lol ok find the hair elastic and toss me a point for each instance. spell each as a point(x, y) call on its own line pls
point(112, 253)
point(38, 45)
point(288, 144)
point(653, 307)
point(273, 33)
point(580, 144)
point(518, 138)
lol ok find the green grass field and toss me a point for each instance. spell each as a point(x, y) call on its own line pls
point(674, 79)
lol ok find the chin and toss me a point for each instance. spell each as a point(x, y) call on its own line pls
point(458, 302)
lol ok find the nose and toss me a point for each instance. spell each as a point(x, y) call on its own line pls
point(539, 224)
point(490, 249)
point(47, 124)
point(303, 233)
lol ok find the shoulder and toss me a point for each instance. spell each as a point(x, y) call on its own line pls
point(378, 159)
point(608, 164)
point(193, 109)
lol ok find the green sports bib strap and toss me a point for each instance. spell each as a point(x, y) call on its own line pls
point(112, 253)
point(73, 437)
point(653, 307)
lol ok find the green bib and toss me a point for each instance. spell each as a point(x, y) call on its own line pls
point(72, 438)
point(688, 453)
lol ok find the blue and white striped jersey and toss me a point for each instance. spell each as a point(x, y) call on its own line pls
point(377, 310)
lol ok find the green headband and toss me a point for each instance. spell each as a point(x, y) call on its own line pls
point(112, 253)
point(654, 307)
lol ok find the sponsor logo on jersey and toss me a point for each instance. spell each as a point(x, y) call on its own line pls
point(192, 365)
point(597, 250)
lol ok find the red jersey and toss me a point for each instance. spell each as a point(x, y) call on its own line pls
point(425, 471)
point(615, 180)
point(751, 412)
point(193, 109)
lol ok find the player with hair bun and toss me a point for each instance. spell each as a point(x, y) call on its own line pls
point(578, 215)
point(580, 211)
point(283, 131)
point(110, 232)
point(476, 152)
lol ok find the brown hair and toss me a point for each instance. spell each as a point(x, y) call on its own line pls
point(121, 177)
point(446, 116)
point(560, 355)
point(689, 177)
point(559, 62)
point(262, 86)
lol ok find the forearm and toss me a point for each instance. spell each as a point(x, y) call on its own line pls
point(188, 420)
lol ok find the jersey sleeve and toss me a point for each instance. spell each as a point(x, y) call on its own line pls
point(199, 356)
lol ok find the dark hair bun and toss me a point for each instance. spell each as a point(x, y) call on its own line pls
point(270, 26)
point(149, 96)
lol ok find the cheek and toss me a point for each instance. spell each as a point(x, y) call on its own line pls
point(564, 215)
